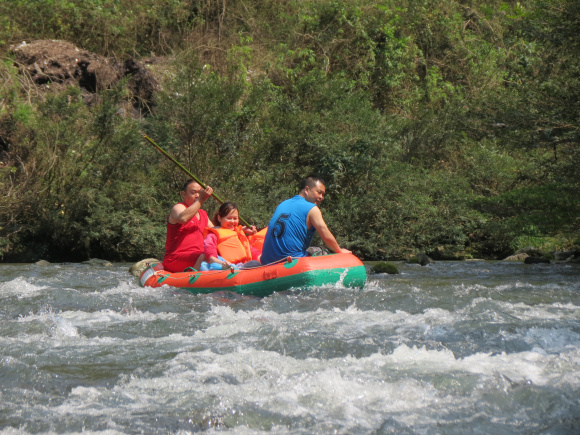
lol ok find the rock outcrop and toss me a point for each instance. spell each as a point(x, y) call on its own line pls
point(55, 65)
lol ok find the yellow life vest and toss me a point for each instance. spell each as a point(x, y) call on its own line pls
point(232, 245)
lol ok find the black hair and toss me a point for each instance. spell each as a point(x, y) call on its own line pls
point(187, 183)
point(310, 181)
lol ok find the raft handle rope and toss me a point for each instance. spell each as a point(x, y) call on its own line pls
point(152, 267)
point(233, 269)
point(194, 272)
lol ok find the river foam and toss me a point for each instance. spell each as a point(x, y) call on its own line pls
point(448, 348)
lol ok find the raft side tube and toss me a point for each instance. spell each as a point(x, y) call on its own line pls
point(300, 272)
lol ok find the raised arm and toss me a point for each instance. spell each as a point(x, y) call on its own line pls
point(181, 214)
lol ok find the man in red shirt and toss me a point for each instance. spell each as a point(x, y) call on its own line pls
point(185, 225)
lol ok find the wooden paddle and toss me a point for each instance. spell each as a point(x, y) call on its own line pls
point(180, 166)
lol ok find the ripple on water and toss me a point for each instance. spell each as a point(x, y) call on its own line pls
point(446, 348)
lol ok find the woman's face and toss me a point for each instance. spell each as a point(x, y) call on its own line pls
point(230, 221)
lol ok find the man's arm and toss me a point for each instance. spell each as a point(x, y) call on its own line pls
point(315, 219)
point(181, 214)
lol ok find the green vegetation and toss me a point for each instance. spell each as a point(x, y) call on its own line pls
point(385, 267)
point(450, 128)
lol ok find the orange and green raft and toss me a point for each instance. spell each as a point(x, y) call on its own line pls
point(297, 273)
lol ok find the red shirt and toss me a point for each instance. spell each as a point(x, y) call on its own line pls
point(184, 243)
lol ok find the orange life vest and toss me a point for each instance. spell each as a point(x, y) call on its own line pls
point(233, 244)
point(257, 240)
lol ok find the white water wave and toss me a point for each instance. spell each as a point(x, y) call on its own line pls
point(348, 390)
point(551, 339)
point(292, 387)
point(525, 312)
point(20, 288)
point(223, 321)
point(466, 289)
point(133, 288)
point(534, 367)
point(126, 313)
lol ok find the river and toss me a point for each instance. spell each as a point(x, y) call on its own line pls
point(450, 348)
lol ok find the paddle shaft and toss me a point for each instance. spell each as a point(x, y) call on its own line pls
point(184, 169)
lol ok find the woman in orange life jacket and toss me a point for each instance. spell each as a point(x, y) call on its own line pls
point(227, 244)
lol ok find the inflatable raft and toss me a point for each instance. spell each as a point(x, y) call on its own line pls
point(297, 273)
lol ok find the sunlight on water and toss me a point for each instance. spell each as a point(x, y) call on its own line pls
point(20, 289)
point(450, 348)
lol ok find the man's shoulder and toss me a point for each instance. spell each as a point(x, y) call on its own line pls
point(174, 212)
point(314, 214)
point(291, 199)
point(296, 199)
point(284, 203)
point(179, 206)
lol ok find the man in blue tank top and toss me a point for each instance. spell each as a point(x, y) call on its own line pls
point(294, 222)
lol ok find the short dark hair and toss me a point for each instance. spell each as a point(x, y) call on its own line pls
point(224, 210)
point(187, 183)
point(310, 181)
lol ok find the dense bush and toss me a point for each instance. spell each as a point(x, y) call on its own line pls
point(447, 128)
point(82, 186)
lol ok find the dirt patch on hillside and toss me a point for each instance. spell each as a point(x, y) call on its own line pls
point(55, 65)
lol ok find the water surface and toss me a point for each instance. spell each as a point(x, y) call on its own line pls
point(450, 348)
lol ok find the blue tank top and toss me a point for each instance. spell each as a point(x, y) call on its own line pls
point(287, 232)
